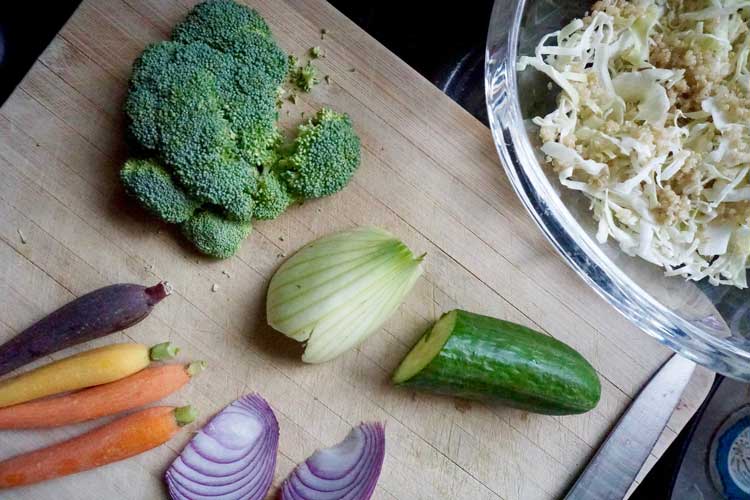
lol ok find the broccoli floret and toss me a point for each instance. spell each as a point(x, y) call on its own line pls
point(235, 29)
point(214, 235)
point(204, 105)
point(304, 77)
point(271, 198)
point(208, 114)
point(220, 22)
point(324, 156)
point(154, 188)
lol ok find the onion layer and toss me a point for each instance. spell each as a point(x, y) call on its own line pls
point(339, 289)
point(347, 471)
point(233, 457)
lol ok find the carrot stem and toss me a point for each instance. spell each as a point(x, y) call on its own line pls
point(185, 415)
point(163, 351)
point(121, 439)
point(196, 367)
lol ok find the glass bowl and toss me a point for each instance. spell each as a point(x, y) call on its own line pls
point(705, 323)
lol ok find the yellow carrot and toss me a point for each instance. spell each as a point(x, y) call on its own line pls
point(87, 369)
point(147, 386)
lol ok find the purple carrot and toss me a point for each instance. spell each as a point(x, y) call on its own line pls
point(96, 314)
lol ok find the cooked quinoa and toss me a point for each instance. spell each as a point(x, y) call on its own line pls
point(651, 125)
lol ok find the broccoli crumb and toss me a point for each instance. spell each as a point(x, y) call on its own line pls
point(280, 91)
point(293, 98)
point(323, 33)
point(315, 52)
point(304, 77)
point(327, 78)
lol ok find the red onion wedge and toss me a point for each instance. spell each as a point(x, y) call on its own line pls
point(347, 471)
point(233, 457)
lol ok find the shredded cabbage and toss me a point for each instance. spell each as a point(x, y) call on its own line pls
point(652, 124)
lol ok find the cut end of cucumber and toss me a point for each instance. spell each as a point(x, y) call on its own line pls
point(426, 349)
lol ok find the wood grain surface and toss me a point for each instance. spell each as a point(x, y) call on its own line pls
point(429, 174)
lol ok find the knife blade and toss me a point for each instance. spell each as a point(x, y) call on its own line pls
point(611, 472)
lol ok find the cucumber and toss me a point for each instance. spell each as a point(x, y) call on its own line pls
point(477, 357)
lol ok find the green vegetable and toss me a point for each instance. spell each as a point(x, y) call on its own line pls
point(205, 103)
point(315, 52)
point(324, 156)
point(304, 77)
point(185, 415)
point(477, 357)
point(271, 197)
point(163, 351)
point(203, 108)
point(233, 28)
point(214, 235)
point(336, 291)
point(208, 117)
point(153, 186)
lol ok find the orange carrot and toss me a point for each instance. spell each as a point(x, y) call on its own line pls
point(141, 388)
point(109, 443)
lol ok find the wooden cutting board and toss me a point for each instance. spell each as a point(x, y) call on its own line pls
point(429, 174)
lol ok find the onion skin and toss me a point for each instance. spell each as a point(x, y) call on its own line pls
point(347, 471)
point(232, 458)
